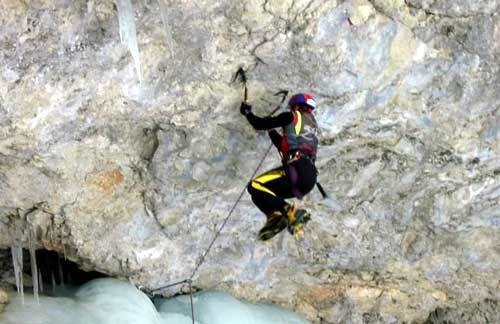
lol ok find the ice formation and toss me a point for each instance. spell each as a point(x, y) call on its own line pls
point(17, 262)
point(111, 301)
point(128, 34)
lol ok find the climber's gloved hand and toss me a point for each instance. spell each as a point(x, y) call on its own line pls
point(245, 108)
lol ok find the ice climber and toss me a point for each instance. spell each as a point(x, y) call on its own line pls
point(297, 144)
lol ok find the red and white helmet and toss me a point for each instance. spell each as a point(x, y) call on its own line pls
point(302, 99)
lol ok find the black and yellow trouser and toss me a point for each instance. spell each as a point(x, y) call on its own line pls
point(270, 189)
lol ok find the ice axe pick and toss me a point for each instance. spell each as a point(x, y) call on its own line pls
point(284, 94)
point(240, 74)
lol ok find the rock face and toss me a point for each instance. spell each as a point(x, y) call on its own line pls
point(4, 300)
point(127, 157)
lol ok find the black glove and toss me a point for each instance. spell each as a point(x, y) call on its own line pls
point(245, 108)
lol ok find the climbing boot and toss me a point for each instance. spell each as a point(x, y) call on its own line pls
point(297, 218)
point(276, 222)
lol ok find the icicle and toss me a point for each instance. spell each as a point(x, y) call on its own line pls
point(40, 281)
point(61, 273)
point(17, 260)
point(166, 27)
point(15, 263)
point(53, 278)
point(128, 31)
point(34, 267)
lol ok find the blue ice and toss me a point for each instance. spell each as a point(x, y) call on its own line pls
point(112, 301)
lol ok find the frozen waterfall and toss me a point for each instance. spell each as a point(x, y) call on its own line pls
point(111, 301)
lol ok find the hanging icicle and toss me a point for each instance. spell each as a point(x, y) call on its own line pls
point(34, 267)
point(17, 261)
point(53, 281)
point(168, 35)
point(128, 36)
point(40, 281)
point(61, 272)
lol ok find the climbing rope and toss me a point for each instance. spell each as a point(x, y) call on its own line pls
point(189, 280)
point(202, 258)
point(205, 253)
point(191, 299)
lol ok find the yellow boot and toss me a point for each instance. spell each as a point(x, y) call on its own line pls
point(276, 222)
point(297, 218)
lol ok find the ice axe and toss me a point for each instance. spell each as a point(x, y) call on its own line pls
point(240, 74)
point(284, 94)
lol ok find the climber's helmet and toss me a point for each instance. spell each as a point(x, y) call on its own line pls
point(303, 101)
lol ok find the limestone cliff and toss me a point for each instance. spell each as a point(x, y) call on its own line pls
point(122, 146)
